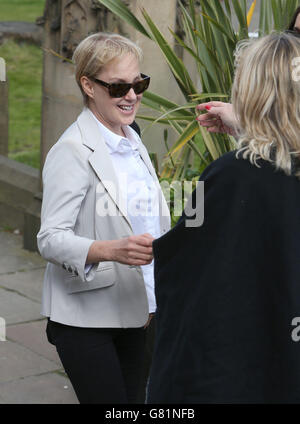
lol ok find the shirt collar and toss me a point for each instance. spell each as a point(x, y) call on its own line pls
point(117, 143)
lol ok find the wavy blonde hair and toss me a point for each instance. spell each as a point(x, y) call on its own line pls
point(266, 100)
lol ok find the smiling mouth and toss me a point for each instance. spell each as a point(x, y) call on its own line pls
point(126, 108)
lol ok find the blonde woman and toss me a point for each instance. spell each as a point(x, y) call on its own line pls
point(102, 208)
point(228, 292)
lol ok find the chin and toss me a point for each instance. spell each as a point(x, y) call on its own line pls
point(128, 121)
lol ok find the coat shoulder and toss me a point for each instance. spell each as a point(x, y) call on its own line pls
point(70, 143)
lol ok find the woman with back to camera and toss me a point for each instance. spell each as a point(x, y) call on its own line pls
point(228, 293)
point(102, 207)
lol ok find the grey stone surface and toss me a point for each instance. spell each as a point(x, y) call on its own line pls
point(19, 184)
point(33, 336)
point(30, 369)
point(18, 362)
point(21, 31)
point(49, 388)
point(15, 308)
point(14, 258)
point(28, 282)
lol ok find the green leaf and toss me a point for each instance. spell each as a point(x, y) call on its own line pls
point(158, 102)
point(187, 134)
point(176, 65)
point(119, 9)
point(179, 118)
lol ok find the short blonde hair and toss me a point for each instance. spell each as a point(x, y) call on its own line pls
point(97, 50)
point(266, 100)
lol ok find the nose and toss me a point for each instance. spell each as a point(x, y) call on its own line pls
point(130, 95)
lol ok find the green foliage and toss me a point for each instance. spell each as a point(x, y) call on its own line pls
point(276, 14)
point(29, 157)
point(24, 73)
point(21, 10)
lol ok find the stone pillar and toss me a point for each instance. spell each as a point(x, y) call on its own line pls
point(66, 23)
point(3, 109)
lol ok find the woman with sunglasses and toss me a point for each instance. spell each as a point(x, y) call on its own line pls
point(102, 208)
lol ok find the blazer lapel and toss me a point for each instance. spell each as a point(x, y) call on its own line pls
point(100, 160)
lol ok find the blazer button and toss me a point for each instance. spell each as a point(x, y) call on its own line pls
point(70, 269)
point(64, 265)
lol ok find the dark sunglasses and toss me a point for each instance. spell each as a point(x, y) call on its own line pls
point(121, 89)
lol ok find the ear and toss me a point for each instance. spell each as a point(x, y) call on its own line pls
point(87, 86)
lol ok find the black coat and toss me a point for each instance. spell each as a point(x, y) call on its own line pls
point(227, 292)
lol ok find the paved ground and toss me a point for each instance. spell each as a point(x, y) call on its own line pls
point(30, 370)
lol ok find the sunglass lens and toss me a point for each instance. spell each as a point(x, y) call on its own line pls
point(119, 90)
point(141, 86)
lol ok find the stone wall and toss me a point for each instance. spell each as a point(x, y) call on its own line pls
point(19, 185)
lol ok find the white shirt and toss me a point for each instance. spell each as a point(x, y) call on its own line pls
point(140, 191)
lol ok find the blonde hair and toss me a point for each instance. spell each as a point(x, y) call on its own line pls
point(97, 50)
point(266, 100)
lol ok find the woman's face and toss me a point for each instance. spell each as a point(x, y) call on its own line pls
point(115, 112)
point(297, 24)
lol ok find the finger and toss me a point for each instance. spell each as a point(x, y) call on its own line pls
point(140, 257)
point(216, 129)
point(148, 236)
point(212, 104)
point(207, 122)
point(141, 250)
point(139, 262)
point(144, 241)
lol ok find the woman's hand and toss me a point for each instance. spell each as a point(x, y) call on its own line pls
point(151, 315)
point(219, 117)
point(133, 250)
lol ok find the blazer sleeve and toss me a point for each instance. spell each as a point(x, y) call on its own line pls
point(65, 184)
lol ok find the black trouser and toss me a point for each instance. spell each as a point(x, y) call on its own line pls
point(104, 365)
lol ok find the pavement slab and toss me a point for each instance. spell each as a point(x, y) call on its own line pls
point(33, 336)
point(51, 388)
point(17, 362)
point(15, 307)
point(30, 369)
point(29, 282)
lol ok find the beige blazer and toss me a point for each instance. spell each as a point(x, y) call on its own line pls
point(79, 183)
